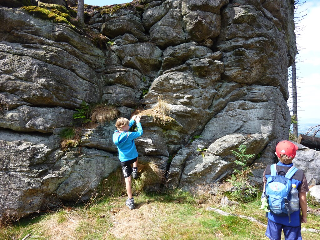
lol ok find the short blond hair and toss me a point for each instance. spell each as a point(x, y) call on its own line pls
point(121, 122)
point(285, 159)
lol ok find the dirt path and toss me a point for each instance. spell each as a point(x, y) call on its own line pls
point(140, 223)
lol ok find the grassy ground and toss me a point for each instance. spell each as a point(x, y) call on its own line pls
point(170, 215)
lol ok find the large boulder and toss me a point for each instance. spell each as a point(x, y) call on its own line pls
point(308, 160)
point(37, 175)
point(46, 71)
point(123, 22)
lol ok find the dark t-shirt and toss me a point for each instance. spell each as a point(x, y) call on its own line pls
point(282, 170)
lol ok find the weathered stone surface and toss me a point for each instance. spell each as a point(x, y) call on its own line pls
point(35, 174)
point(31, 119)
point(151, 143)
point(24, 160)
point(169, 30)
point(245, 39)
point(99, 138)
point(213, 6)
point(121, 23)
point(84, 173)
point(145, 57)
point(202, 25)
point(308, 160)
point(42, 73)
point(178, 55)
point(152, 15)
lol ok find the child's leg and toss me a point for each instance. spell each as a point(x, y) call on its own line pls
point(292, 233)
point(127, 170)
point(129, 201)
point(135, 164)
point(135, 169)
point(128, 186)
point(273, 230)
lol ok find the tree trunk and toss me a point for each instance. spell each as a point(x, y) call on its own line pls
point(80, 12)
point(294, 100)
point(309, 141)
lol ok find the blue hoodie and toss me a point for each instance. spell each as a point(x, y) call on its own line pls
point(125, 142)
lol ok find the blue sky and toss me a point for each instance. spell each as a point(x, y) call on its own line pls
point(308, 61)
point(308, 65)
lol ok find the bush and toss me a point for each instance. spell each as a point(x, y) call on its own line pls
point(242, 190)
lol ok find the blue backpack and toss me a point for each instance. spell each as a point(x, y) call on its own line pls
point(278, 190)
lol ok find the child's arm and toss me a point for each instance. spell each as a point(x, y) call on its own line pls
point(135, 118)
point(131, 122)
point(139, 132)
point(303, 206)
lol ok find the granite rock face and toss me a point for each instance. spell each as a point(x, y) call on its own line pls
point(218, 68)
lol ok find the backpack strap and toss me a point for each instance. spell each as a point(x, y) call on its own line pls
point(273, 169)
point(288, 175)
point(291, 172)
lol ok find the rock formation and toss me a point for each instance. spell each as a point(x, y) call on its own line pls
point(218, 68)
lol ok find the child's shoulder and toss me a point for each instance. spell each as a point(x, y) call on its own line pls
point(299, 175)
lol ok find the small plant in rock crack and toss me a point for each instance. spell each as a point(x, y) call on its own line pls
point(70, 138)
point(202, 151)
point(83, 113)
point(242, 190)
point(67, 133)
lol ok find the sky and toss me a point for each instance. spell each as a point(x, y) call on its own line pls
point(308, 60)
point(308, 64)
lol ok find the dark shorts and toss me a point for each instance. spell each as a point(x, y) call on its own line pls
point(274, 231)
point(126, 167)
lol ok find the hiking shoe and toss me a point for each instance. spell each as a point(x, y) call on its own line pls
point(135, 175)
point(130, 203)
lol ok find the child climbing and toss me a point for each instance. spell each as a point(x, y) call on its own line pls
point(128, 154)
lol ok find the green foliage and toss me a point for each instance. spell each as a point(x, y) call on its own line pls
point(241, 157)
point(242, 189)
point(312, 202)
point(144, 92)
point(294, 119)
point(114, 8)
point(111, 43)
point(292, 136)
point(194, 138)
point(83, 113)
point(144, 79)
point(67, 133)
